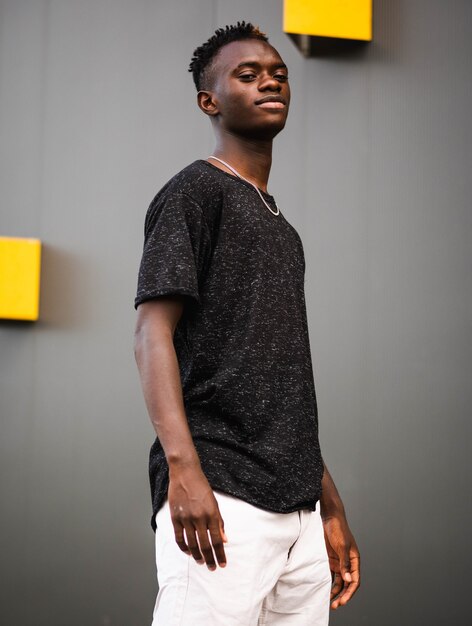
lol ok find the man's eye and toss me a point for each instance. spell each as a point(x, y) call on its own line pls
point(281, 77)
point(247, 76)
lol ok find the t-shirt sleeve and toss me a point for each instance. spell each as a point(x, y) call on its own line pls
point(176, 250)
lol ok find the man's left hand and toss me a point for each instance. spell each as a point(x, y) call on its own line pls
point(344, 559)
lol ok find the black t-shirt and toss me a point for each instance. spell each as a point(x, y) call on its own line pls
point(242, 342)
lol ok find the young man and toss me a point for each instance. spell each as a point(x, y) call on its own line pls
point(250, 528)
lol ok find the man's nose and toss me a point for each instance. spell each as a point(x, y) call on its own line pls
point(269, 83)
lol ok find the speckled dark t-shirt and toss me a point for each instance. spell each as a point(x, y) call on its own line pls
point(242, 342)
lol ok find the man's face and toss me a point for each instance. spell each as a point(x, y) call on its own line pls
point(250, 89)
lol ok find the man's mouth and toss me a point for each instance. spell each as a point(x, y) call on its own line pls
point(272, 102)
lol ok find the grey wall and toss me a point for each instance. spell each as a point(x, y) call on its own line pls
point(97, 112)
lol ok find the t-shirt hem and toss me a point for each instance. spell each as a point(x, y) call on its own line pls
point(166, 291)
point(305, 504)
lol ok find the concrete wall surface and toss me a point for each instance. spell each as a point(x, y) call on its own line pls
point(97, 111)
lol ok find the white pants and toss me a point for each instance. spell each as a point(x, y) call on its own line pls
point(277, 571)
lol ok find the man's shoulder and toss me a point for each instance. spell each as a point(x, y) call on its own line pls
point(197, 181)
point(196, 189)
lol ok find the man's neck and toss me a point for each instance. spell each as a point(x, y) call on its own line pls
point(251, 158)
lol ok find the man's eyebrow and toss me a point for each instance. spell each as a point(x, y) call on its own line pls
point(256, 64)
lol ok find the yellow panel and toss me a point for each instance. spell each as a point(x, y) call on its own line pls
point(20, 262)
point(346, 19)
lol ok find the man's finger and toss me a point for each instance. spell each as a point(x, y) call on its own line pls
point(343, 577)
point(193, 543)
point(337, 601)
point(180, 539)
point(351, 589)
point(345, 565)
point(337, 585)
point(217, 536)
point(222, 530)
point(347, 593)
point(205, 547)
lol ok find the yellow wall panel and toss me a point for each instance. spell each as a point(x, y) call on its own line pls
point(345, 19)
point(20, 263)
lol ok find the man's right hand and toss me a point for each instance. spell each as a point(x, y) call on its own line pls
point(198, 525)
point(194, 510)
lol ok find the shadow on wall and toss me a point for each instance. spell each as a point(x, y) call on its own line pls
point(329, 47)
point(388, 29)
point(66, 296)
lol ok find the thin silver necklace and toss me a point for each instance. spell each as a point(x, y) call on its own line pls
point(248, 181)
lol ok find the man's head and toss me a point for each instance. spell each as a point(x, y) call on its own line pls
point(203, 57)
point(242, 82)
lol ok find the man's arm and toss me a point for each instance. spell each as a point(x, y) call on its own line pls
point(344, 557)
point(192, 503)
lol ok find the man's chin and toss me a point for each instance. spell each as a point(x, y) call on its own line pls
point(265, 132)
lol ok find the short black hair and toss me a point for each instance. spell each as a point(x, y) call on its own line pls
point(204, 54)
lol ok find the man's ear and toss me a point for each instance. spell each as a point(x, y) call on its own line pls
point(207, 103)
